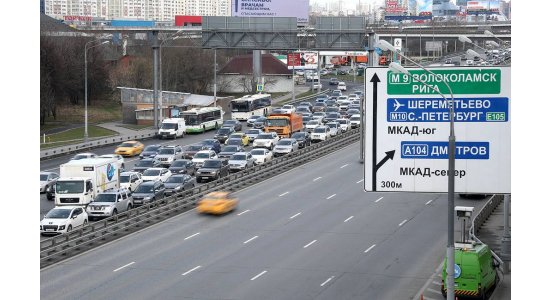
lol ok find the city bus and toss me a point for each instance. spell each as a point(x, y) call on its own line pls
point(202, 119)
point(250, 105)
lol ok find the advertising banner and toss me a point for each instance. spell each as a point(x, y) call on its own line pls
point(303, 60)
point(271, 8)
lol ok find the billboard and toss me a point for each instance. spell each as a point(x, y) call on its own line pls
point(483, 6)
point(271, 8)
point(303, 60)
point(408, 8)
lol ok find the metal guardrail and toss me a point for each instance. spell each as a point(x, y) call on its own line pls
point(54, 152)
point(481, 217)
point(58, 248)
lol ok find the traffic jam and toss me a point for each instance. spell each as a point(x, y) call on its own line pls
point(91, 187)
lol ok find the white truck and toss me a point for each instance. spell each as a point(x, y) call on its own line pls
point(173, 128)
point(81, 180)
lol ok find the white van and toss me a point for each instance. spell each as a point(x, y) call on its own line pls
point(173, 128)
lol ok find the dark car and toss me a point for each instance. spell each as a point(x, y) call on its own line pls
point(178, 183)
point(212, 144)
point(319, 107)
point(351, 112)
point(332, 109)
point(305, 120)
point(303, 138)
point(145, 164)
point(213, 169)
point(260, 123)
point(303, 109)
point(331, 103)
point(331, 116)
point(236, 124)
point(191, 150)
point(333, 81)
point(228, 150)
point(182, 166)
point(148, 192)
point(222, 133)
point(308, 104)
point(150, 151)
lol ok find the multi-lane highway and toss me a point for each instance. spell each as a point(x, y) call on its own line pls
point(310, 233)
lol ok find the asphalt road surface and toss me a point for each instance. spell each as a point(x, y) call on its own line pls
point(310, 233)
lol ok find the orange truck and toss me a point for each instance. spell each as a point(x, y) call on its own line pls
point(284, 124)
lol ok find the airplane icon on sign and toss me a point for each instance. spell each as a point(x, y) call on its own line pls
point(397, 105)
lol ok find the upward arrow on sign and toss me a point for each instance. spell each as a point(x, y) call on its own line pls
point(375, 80)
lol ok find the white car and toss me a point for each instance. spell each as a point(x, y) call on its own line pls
point(154, 174)
point(334, 128)
point(341, 99)
point(83, 156)
point(266, 140)
point(261, 155)
point(344, 124)
point(288, 108)
point(201, 156)
point(312, 125)
point(119, 158)
point(355, 121)
point(285, 146)
point(47, 180)
point(63, 219)
point(130, 180)
point(317, 85)
point(342, 86)
point(321, 133)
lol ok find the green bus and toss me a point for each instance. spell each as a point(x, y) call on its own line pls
point(202, 119)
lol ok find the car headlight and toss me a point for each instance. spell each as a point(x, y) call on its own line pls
point(62, 227)
point(177, 188)
point(147, 198)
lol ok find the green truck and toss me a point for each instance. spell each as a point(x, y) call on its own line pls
point(475, 272)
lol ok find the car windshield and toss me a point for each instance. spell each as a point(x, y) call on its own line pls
point(287, 107)
point(230, 122)
point(230, 148)
point(167, 151)
point(212, 164)
point(69, 187)
point(257, 152)
point(43, 177)
point(224, 130)
point(354, 119)
point(342, 121)
point(264, 136)
point(175, 179)
point(79, 156)
point(179, 163)
point(319, 130)
point(58, 213)
point(238, 157)
point(208, 142)
point(234, 141)
point(169, 126)
point(105, 198)
point(194, 147)
point(144, 188)
point(202, 155)
point(127, 145)
point(298, 135)
point(332, 125)
point(253, 117)
point(277, 122)
point(320, 104)
point(313, 122)
point(284, 142)
point(332, 115)
point(253, 131)
point(124, 178)
point(151, 172)
point(145, 163)
point(151, 148)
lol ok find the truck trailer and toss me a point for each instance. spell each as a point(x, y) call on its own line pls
point(284, 124)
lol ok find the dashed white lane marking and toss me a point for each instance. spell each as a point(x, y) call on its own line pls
point(251, 240)
point(197, 267)
point(192, 236)
point(401, 224)
point(370, 248)
point(427, 203)
point(322, 284)
point(310, 243)
point(124, 266)
point(296, 215)
point(244, 212)
point(348, 219)
point(317, 178)
point(343, 166)
point(379, 199)
point(331, 196)
point(360, 181)
point(258, 275)
point(283, 194)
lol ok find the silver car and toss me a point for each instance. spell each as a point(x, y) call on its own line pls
point(285, 146)
point(110, 203)
point(47, 180)
point(240, 161)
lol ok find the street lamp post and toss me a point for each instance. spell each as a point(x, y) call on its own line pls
point(86, 48)
point(170, 38)
point(384, 45)
point(465, 39)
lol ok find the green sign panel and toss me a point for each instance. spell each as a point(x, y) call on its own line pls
point(466, 81)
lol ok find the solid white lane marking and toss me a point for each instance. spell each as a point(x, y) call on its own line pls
point(343, 166)
point(258, 275)
point(370, 248)
point(192, 236)
point(296, 215)
point(244, 212)
point(360, 181)
point(327, 281)
point(331, 196)
point(379, 199)
point(433, 291)
point(124, 266)
point(251, 239)
point(283, 194)
point(317, 178)
point(348, 219)
point(404, 221)
point(429, 202)
point(197, 267)
point(310, 243)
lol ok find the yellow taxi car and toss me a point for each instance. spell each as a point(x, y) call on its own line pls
point(245, 140)
point(217, 203)
point(129, 148)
